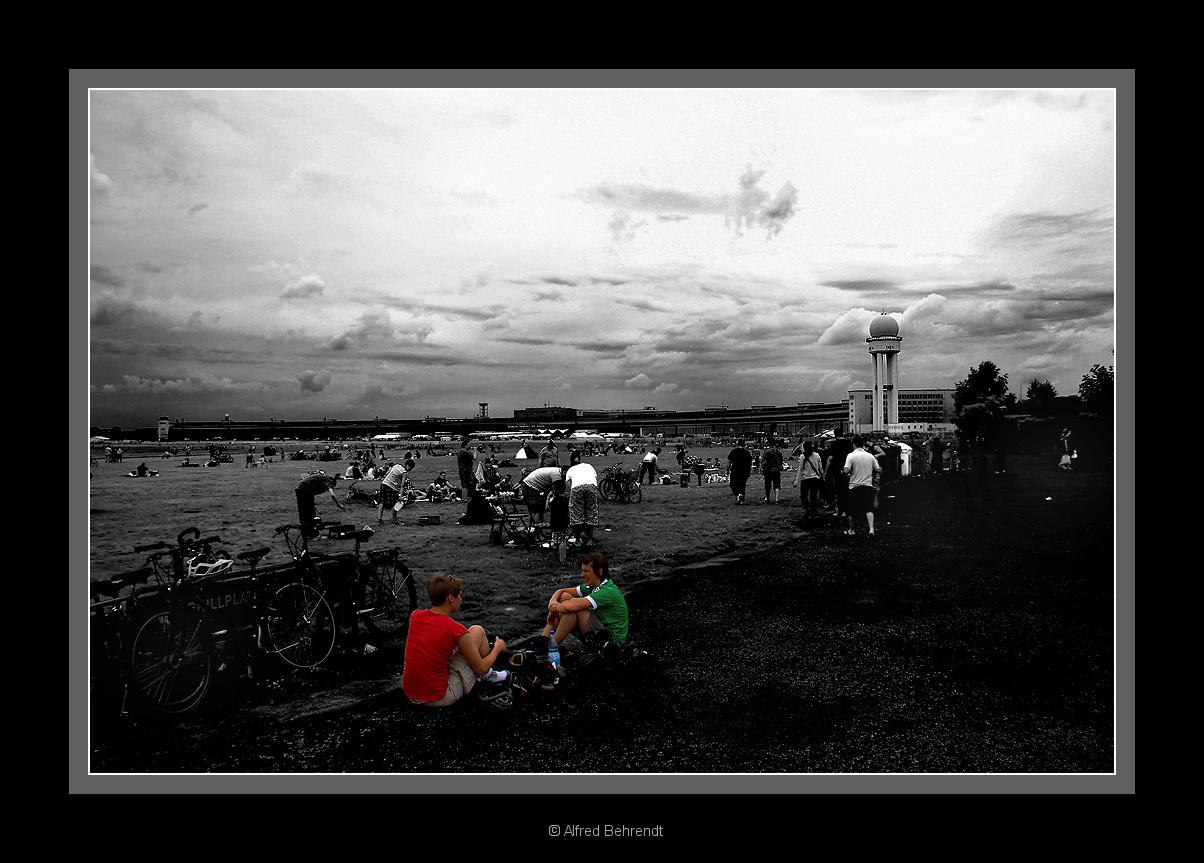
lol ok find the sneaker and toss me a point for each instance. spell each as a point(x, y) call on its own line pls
point(369, 649)
point(494, 675)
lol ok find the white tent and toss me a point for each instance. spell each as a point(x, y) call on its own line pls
point(585, 436)
point(526, 452)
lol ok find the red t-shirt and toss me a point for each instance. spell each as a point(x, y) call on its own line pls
point(429, 647)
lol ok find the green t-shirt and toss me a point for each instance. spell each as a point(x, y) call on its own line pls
point(611, 608)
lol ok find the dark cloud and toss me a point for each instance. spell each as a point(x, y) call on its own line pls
point(638, 196)
point(105, 276)
point(860, 285)
point(1047, 227)
point(108, 310)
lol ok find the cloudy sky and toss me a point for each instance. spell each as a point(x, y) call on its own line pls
point(350, 253)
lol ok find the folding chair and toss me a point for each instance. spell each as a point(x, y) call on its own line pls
point(510, 519)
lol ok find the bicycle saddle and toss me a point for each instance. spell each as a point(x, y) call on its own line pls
point(253, 557)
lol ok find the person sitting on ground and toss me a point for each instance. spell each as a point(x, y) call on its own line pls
point(595, 604)
point(439, 489)
point(353, 471)
point(308, 489)
point(443, 658)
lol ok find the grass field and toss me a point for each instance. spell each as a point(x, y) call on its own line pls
point(505, 587)
point(975, 635)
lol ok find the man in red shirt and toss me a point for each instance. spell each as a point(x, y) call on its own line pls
point(444, 659)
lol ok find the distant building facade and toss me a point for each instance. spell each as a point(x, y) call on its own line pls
point(928, 410)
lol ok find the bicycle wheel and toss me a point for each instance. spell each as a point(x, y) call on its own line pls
point(171, 662)
point(386, 598)
point(634, 492)
point(609, 489)
point(300, 624)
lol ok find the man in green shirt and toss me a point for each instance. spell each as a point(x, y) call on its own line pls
point(596, 604)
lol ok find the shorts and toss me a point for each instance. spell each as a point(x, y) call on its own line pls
point(860, 500)
point(460, 680)
point(537, 502)
point(388, 495)
point(583, 505)
point(773, 479)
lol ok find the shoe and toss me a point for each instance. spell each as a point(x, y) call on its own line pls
point(850, 533)
point(872, 534)
point(494, 675)
point(369, 649)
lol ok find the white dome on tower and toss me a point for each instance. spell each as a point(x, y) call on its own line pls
point(884, 325)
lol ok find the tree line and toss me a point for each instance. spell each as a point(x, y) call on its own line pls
point(988, 415)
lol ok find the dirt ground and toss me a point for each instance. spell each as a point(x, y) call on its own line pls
point(973, 636)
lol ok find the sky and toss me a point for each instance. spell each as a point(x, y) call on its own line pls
point(375, 252)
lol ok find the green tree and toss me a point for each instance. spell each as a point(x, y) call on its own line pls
point(981, 402)
point(1097, 390)
point(983, 383)
point(1040, 390)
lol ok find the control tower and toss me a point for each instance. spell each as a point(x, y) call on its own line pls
point(885, 344)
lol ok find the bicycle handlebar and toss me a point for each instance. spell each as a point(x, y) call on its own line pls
point(180, 538)
point(152, 547)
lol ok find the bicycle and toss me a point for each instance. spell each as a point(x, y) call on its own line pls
point(378, 590)
point(620, 485)
point(127, 625)
point(114, 602)
point(208, 613)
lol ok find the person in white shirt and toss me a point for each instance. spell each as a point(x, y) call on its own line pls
point(581, 483)
point(648, 466)
point(390, 492)
point(863, 471)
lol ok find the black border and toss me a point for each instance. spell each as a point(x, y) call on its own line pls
point(1119, 80)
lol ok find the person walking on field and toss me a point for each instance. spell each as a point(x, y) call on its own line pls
point(838, 451)
point(809, 479)
point(1065, 451)
point(549, 456)
point(739, 468)
point(391, 488)
point(771, 469)
point(936, 447)
point(465, 467)
point(863, 471)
